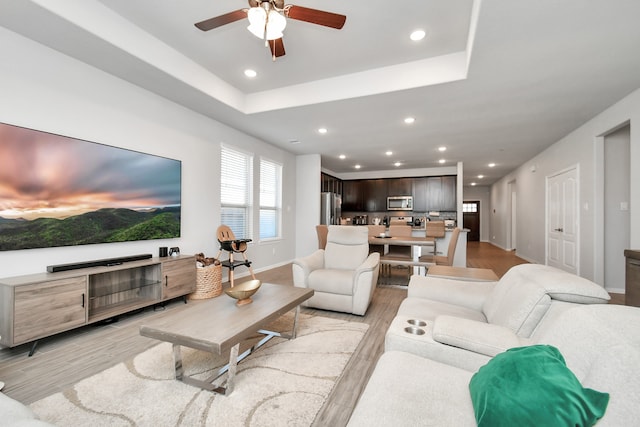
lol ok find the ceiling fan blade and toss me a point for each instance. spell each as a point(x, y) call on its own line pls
point(315, 16)
point(277, 47)
point(219, 21)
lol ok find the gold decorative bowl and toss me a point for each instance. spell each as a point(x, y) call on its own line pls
point(244, 291)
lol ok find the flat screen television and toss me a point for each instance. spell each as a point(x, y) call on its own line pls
point(61, 191)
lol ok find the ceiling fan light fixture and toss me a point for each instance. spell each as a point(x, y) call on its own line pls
point(257, 17)
point(266, 25)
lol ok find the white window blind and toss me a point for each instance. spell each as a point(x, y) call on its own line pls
point(235, 191)
point(270, 199)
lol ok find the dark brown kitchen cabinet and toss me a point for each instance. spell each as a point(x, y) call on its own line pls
point(420, 194)
point(330, 184)
point(449, 193)
point(441, 193)
point(399, 186)
point(375, 195)
point(434, 193)
point(352, 195)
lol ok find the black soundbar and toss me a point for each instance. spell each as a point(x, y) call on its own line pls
point(96, 263)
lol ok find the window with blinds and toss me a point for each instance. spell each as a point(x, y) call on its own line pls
point(236, 191)
point(270, 199)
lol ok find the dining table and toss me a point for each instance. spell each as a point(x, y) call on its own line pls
point(421, 241)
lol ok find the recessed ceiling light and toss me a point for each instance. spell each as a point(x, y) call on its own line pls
point(473, 184)
point(441, 161)
point(250, 73)
point(389, 153)
point(480, 176)
point(409, 120)
point(443, 148)
point(322, 130)
point(491, 165)
point(417, 35)
point(396, 164)
point(342, 157)
point(357, 166)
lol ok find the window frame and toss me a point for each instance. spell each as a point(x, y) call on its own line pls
point(277, 208)
point(247, 204)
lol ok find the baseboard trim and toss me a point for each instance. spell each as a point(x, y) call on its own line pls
point(245, 273)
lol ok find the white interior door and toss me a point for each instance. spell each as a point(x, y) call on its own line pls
point(562, 221)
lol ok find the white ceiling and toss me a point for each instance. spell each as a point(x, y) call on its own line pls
point(497, 81)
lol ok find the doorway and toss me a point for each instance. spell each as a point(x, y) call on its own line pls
point(471, 219)
point(562, 225)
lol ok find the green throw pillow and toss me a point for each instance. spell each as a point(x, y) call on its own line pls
point(532, 386)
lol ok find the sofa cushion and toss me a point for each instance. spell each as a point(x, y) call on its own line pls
point(518, 304)
point(409, 390)
point(533, 386)
point(425, 309)
point(347, 247)
point(563, 286)
point(478, 337)
point(332, 281)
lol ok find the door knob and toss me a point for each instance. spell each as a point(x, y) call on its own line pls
point(558, 229)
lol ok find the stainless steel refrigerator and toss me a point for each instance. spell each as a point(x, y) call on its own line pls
point(330, 208)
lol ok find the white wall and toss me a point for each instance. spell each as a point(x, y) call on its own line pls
point(45, 90)
point(580, 148)
point(616, 219)
point(307, 203)
point(483, 195)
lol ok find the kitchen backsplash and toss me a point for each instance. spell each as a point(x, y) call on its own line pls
point(364, 218)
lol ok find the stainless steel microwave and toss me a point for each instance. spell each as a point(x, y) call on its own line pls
point(399, 203)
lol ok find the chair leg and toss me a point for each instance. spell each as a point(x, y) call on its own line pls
point(249, 265)
point(231, 268)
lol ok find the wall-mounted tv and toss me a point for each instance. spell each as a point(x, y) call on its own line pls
point(61, 191)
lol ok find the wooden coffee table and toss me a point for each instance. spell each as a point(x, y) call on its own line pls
point(462, 273)
point(218, 325)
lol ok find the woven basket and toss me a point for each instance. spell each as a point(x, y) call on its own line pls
point(208, 282)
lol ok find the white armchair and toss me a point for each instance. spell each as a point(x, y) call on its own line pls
point(343, 275)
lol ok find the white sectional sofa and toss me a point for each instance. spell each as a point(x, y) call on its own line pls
point(424, 380)
point(15, 414)
point(467, 323)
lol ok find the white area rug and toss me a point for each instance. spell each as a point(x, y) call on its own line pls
point(284, 383)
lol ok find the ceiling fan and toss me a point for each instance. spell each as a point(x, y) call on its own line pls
point(267, 20)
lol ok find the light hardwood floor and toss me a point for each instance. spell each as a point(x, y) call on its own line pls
point(69, 357)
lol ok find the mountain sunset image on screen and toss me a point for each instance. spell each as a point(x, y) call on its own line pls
point(60, 191)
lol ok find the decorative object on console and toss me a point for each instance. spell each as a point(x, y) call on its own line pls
point(244, 291)
point(79, 192)
point(175, 251)
point(107, 262)
point(208, 277)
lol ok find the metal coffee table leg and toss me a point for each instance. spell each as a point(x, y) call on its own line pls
point(234, 359)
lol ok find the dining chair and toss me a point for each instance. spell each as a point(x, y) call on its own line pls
point(442, 259)
point(435, 229)
point(375, 231)
point(321, 231)
point(397, 253)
